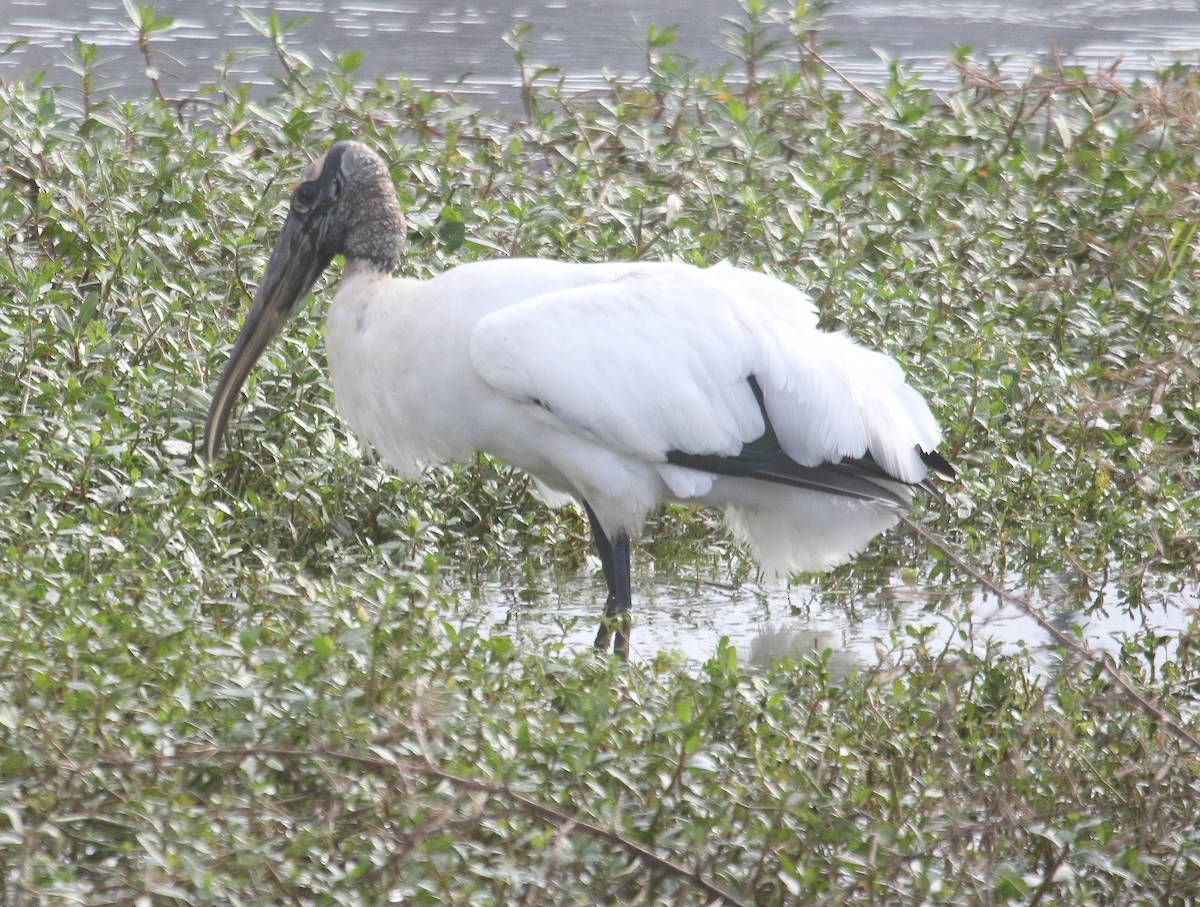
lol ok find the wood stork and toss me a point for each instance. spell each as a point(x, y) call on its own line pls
point(620, 385)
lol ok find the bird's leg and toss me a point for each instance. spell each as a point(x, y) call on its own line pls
point(616, 609)
point(614, 559)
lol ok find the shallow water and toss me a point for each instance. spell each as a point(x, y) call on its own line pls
point(687, 614)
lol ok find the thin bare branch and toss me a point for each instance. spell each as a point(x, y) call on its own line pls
point(1082, 651)
point(854, 86)
point(410, 767)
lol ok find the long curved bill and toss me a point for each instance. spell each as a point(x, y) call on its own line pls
point(293, 268)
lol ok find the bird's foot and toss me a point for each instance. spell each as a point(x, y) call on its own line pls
point(615, 628)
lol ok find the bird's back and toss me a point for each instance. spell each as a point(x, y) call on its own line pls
point(628, 384)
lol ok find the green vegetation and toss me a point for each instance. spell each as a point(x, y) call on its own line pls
point(252, 684)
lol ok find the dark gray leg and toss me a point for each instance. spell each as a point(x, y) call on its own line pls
point(614, 558)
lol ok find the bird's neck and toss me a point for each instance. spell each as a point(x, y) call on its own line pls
point(377, 236)
point(364, 267)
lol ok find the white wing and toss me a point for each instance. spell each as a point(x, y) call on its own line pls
point(658, 359)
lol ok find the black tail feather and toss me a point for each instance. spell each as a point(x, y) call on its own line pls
point(937, 463)
point(845, 479)
point(860, 478)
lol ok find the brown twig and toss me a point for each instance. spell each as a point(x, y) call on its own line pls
point(1064, 640)
point(411, 767)
point(854, 86)
point(151, 69)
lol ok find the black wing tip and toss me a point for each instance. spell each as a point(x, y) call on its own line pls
point(860, 478)
point(936, 462)
point(843, 479)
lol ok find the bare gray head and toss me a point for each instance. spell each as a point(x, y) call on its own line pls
point(346, 201)
point(345, 204)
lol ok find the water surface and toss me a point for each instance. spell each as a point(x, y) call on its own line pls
point(436, 43)
point(688, 613)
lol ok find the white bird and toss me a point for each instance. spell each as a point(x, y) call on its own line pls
point(620, 385)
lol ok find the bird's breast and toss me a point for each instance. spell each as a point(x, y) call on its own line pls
point(400, 372)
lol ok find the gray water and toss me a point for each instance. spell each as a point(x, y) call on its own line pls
point(438, 42)
point(687, 614)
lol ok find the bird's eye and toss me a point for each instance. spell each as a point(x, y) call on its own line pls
point(306, 194)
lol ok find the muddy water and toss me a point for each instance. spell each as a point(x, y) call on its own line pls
point(438, 42)
point(688, 614)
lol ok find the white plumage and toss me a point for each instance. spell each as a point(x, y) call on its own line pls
point(585, 376)
point(622, 385)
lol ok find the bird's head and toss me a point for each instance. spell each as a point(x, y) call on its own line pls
point(344, 204)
